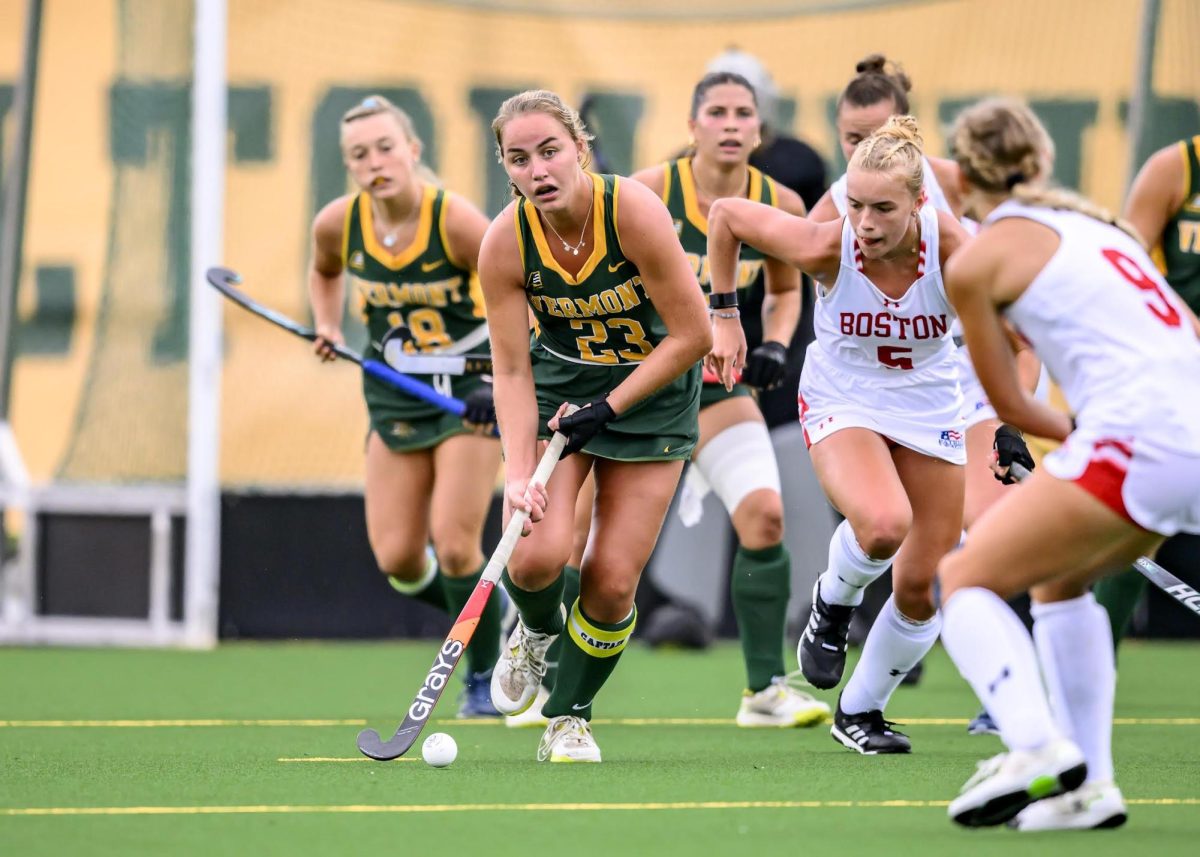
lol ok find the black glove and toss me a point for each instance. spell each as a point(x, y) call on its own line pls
point(585, 424)
point(1011, 449)
point(481, 409)
point(766, 366)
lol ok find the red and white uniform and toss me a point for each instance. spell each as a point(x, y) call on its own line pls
point(884, 364)
point(976, 407)
point(1121, 346)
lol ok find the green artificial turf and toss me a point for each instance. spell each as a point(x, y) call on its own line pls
point(691, 788)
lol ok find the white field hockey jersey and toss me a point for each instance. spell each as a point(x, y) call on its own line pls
point(863, 330)
point(933, 191)
point(1111, 331)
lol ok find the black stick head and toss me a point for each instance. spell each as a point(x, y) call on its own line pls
point(370, 744)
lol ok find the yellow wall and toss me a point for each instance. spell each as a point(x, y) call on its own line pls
point(285, 417)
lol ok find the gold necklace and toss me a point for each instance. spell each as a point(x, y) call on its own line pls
point(583, 233)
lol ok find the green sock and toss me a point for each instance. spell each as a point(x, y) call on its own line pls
point(570, 593)
point(1119, 594)
point(541, 611)
point(759, 591)
point(484, 647)
point(428, 588)
point(587, 661)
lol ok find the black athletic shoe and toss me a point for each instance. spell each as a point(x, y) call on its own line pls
point(822, 649)
point(983, 724)
point(868, 733)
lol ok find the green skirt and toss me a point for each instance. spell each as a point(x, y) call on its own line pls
point(663, 427)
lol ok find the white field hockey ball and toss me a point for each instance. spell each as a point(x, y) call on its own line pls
point(439, 750)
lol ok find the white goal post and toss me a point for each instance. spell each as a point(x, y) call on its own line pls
point(172, 529)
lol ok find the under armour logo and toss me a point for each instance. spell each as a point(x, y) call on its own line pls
point(1004, 673)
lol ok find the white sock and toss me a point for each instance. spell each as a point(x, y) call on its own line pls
point(994, 653)
point(1074, 644)
point(850, 569)
point(894, 646)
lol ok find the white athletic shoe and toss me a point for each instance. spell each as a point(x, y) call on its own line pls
point(1090, 807)
point(531, 716)
point(568, 739)
point(518, 673)
point(1005, 784)
point(780, 705)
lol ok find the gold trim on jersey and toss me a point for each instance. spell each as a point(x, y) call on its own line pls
point(442, 232)
point(691, 205)
point(616, 219)
point(517, 226)
point(420, 242)
point(1191, 199)
point(772, 192)
point(475, 290)
point(346, 220)
point(666, 190)
point(691, 208)
point(599, 243)
point(1187, 169)
point(754, 192)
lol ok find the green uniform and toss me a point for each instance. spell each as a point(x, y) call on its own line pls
point(593, 331)
point(425, 288)
point(679, 194)
point(1179, 255)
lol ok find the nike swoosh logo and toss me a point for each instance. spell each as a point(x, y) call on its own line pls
point(612, 269)
point(429, 266)
point(580, 707)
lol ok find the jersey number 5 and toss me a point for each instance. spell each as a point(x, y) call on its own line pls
point(1160, 305)
point(890, 355)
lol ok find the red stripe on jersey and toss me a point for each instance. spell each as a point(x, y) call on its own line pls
point(1105, 475)
point(803, 410)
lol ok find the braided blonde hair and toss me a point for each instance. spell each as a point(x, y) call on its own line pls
point(896, 145)
point(1002, 148)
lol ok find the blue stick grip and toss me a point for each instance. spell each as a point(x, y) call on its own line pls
point(424, 392)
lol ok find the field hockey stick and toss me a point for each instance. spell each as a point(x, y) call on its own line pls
point(369, 741)
point(432, 364)
point(1152, 571)
point(225, 281)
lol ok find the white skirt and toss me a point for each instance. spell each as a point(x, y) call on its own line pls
point(921, 409)
point(1145, 482)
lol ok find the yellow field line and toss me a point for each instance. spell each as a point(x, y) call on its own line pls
point(333, 759)
point(157, 724)
point(492, 721)
point(511, 807)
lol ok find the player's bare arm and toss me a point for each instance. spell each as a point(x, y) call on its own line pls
point(465, 228)
point(648, 238)
point(502, 279)
point(326, 289)
point(1157, 194)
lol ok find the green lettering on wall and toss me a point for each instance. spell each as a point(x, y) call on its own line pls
point(485, 103)
point(49, 329)
point(1065, 118)
point(250, 122)
point(154, 120)
point(613, 117)
point(1168, 120)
